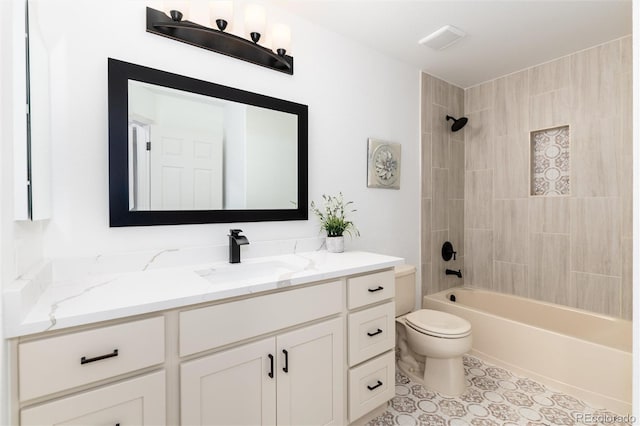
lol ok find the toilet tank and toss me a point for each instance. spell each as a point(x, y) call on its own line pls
point(405, 289)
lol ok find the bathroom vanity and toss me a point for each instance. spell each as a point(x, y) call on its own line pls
point(294, 339)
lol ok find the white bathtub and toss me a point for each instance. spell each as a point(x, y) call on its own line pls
point(578, 352)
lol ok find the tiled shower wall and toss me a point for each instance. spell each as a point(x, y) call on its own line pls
point(442, 183)
point(574, 250)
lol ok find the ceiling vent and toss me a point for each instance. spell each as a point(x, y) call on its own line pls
point(443, 38)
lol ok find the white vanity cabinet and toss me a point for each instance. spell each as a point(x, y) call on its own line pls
point(293, 378)
point(316, 352)
point(371, 325)
point(140, 401)
point(60, 363)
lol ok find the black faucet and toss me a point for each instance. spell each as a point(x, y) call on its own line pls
point(457, 273)
point(235, 241)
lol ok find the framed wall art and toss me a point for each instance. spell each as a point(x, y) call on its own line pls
point(383, 164)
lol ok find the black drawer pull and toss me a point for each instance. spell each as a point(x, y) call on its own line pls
point(85, 360)
point(373, 290)
point(375, 386)
point(286, 361)
point(375, 333)
point(271, 361)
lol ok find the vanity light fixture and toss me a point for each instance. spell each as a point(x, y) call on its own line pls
point(172, 23)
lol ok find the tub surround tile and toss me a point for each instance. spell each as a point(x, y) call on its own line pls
point(581, 231)
point(595, 81)
point(456, 225)
point(598, 293)
point(456, 169)
point(513, 113)
point(427, 286)
point(442, 176)
point(554, 75)
point(479, 258)
point(626, 169)
point(438, 265)
point(626, 291)
point(551, 109)
point(626, 53)
point(549, 215)
point(596, 157)
point(451, 281)
point(549, 268)
point(440, 137)
point(511, 224)
point(456, 102)
point(512, 166)
point(478, 204)
point(440, 214)
point(441, 93)
point(511, 278)
point(479, 139)
point(425, 151)
point(426, 230)
point(426, 103)
point(479, 97)
point(596, 236)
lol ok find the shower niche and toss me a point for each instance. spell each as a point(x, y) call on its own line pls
point(550, 162)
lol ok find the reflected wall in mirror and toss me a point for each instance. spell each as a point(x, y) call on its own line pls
point(188, 151)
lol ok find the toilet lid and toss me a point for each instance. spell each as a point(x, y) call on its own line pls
point(438, 323)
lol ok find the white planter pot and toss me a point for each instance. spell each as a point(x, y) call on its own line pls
point(335, 244)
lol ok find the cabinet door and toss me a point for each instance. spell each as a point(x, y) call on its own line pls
point(140, 401)
point(310, 376)
point(231, 387)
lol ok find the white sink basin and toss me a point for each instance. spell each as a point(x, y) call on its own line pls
point(225, 273)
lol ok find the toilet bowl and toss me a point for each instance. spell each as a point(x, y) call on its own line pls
point(430, 343)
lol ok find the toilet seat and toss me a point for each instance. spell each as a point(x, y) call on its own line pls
point(438, 324)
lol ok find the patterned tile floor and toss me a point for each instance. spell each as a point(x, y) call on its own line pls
point(495, 397)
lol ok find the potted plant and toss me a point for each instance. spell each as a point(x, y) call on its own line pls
point(333, 220)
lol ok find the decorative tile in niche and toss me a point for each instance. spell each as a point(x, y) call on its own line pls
point(550, 161)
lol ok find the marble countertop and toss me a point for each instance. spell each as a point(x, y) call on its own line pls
point(56, 297)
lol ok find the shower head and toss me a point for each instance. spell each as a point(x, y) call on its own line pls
point(457, 123)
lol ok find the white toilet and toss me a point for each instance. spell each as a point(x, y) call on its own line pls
point(430, 343)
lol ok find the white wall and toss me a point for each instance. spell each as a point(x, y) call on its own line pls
point(20, 242)
point(353, 93)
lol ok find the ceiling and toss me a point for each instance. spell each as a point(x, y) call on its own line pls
point(502, 36)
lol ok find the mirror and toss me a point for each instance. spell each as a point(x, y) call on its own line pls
point(183, 150)
point(31, 125)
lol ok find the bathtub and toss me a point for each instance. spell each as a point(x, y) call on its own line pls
point(584, 354)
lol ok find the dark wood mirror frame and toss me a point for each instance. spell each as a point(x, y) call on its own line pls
point(119, 214)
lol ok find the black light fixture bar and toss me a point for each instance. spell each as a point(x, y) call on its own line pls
point(217, 41)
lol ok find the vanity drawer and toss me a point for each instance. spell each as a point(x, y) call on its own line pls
point(214, 326)
point(139, 401)
point(371, 288)
point(371, 384)
point(371, 332)
point(63, 362)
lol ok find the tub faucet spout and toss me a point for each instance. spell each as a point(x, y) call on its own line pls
point(457, 273)
point(235, 241)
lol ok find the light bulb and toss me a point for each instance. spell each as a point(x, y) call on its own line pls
point(177, 9)
point(221, 13)
point(281, 37)
point(255, 20)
